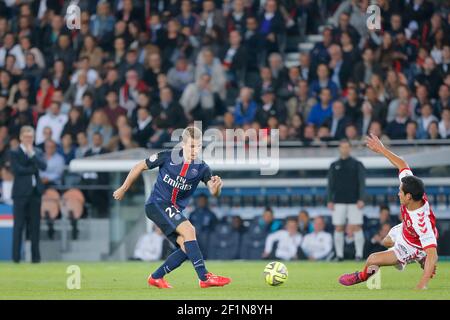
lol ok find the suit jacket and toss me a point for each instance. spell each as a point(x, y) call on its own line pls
point(23, 168)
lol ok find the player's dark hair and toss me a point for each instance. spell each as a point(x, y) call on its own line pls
point(269, 209)
point(413, 186)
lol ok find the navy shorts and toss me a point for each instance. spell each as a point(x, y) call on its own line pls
point(167, 217)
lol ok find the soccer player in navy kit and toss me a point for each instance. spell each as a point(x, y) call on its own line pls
point(180, 172)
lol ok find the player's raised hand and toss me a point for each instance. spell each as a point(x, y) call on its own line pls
point(374, 143)
point(215, 185)
point(119, 194)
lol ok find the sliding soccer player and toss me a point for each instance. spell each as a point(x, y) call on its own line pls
point(180, 172)
point(417, 241)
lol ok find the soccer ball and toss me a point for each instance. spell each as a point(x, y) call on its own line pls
point(275, 273)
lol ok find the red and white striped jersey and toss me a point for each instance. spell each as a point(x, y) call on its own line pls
point(419, 226)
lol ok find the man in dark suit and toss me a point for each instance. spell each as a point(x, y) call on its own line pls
point(26, 162)
point(338, 121)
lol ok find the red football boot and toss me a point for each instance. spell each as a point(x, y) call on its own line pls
point(159, 283)
point(214, 281)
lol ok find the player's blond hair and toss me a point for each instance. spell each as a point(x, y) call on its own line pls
point(192, 132)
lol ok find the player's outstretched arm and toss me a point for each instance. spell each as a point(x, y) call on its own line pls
point(374, 144)
point(215, 186)
point(429, 268)
point(135, 172)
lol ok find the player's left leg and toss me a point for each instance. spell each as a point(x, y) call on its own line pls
point(374, 261)
point(173, 261)
point(187, 231)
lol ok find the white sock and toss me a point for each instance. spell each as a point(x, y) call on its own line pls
point(339, 243)
point(359, 243)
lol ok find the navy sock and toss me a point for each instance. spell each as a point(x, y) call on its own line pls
point(195, 255)
point(173, 261)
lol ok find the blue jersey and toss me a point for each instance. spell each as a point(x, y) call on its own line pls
point(176, 181)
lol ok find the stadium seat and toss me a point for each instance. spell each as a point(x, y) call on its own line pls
point(253, 242)
point(225, 243)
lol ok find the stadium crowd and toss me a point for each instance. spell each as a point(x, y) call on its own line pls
point(136, 70)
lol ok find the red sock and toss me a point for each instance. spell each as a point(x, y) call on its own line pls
point(363, 274)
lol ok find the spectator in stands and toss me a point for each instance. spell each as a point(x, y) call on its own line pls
point(168, 114)
point(144, 128)
point(372, 226)
point(305, 225)
point(74, 124)
point(363, 71)
point(76, 91)
point(270, 108)
point(271, 26)
point(412, 131)
point(129, 92)
point(207, 63)
point(444, 124)
point(47, 134)
point(353, 106)
point(396, 129)
point(444, 99)
point(112, 109)
point(44, 95)
point(340, 68)
point(102, 23)
point(200, 102)
point(323, 81)
point(67, 148)
point(149, 247)
point(234, 59)
point(403, 97)
point(181, 75)
point(318, 245)
point(6, 185)
point(426, 117)
point(319, 54)
point(433, 131)
point(287, 242)
point(52, 175)
point(83, 145)
point(99, 124)
point(322, 110)
point(22, 116)
point(245, 109)
point(84, 66)
point(376, 241)
point(53, 119)
point(346, 185)
point(345, 26)
point(338, 121)
point(267, 221)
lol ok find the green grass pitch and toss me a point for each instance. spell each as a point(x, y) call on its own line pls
point(127, 280)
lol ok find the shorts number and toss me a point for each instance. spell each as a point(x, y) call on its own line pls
point(170, 212)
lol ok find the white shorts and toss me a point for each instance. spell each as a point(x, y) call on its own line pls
point(405, 252)
point(396, 232)
point(346, 211)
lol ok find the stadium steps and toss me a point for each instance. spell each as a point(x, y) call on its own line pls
point(92, 243)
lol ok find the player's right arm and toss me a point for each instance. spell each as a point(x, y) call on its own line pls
point(134, 173)
point(374, 144)
point(154, 161)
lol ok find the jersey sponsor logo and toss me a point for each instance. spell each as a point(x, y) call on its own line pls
point(179, 183)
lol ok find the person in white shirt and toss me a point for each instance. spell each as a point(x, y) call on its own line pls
point(318, 245)
point(444, 124)
point(149, 246)
point(52, 175)
point(6, 185)
point(289, 240)
point(53, 119)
